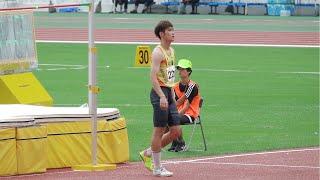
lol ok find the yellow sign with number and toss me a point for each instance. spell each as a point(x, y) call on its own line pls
point(143, 56)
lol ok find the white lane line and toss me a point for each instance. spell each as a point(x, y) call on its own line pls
point(243, 155)
point(188, 44)
point(189, 161)
point(257, 164)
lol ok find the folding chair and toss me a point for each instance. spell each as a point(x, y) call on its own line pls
point(196, 122)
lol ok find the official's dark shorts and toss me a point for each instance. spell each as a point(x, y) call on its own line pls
point(168, 117)
point(186, 119)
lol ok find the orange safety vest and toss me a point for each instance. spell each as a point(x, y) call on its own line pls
point(194, 109)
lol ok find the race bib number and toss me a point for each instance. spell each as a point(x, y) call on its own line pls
point(171, 73)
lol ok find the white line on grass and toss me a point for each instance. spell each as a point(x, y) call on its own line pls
point(123, 105)
point(83, 67)
point(248, 71)
point(207, 105)
point(56, 69)
point(222, 70)
point(79, 67)
point(123, 18)
point(63, 65)
point(299, 73)
point(243, 155)
point(189, 43)
point(72, 65)
point(237, 71)
point(131, 67)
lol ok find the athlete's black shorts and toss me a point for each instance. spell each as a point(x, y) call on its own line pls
point(168, 117)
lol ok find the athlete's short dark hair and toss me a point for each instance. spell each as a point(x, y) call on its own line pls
point(161, 27)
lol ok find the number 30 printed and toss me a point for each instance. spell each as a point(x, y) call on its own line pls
point(144, 57)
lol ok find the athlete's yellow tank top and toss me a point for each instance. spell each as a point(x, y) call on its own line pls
point(166, 74)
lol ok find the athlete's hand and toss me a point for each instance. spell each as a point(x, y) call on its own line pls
point(189, 89)
point(163, 103)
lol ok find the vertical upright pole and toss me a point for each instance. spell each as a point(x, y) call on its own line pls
point(315, 8)
point(92, 98)
point(246, 9)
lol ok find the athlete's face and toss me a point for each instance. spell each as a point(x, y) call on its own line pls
point(183, 73)
point(168, 34)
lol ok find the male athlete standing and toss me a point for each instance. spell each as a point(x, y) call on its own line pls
point(162, 99)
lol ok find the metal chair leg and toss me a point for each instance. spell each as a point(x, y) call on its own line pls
point(192, 133)
point(204, 139)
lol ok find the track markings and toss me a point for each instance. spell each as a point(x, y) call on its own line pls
point(186, 44)
point(244, 155)
point(257, 164)
point(200, 161)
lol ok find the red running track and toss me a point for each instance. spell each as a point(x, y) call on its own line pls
point(297, 164)
point(183, 36)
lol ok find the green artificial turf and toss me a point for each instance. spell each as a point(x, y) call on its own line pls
point(255, 98)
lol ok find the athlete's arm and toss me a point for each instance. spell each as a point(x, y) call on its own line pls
point(157, 57)
point(173, 95)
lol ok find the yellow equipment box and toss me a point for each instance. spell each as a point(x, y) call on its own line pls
point(23, 88)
